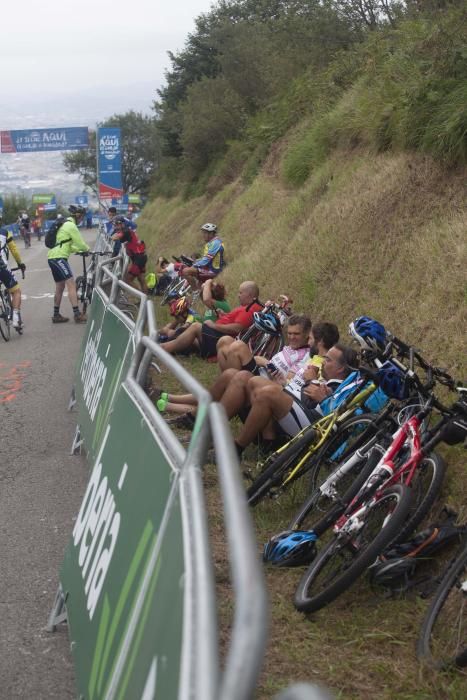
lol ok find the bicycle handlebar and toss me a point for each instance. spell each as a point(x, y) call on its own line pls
point(14, 269)
point(87, 253)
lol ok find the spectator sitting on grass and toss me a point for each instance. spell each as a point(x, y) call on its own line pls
point(203, 337)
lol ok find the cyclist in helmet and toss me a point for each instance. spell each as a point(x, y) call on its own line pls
point(212, 261)
point(110, 227)
point(183, 316)
point(136, 251)
point(69, 240)
point(24, 224)
point(7, 246)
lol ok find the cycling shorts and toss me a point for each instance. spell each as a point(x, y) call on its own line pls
point(208, 343)
point(61, 270)
point(138, 265)
point(8, 278)
point(298, 418)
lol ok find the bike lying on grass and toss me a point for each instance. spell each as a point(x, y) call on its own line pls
point(365, 524)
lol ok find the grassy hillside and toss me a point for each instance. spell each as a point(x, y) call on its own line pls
point(380, 235)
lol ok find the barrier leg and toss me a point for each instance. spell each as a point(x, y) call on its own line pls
point(72, 401)
point(58, 613)
point(77, 442)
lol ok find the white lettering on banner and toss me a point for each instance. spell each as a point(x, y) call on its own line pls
point(109, 146)
point(149, 692)
point(92, 372)
point(96, 532)
point(54, 136)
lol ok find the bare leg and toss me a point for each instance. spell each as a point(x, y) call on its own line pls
point(237, 354)
point(180, 408)
point(217, 390)
point(268, 404)
point(16, 299)
point(223, 345)
point(71, 288)
point(185, 340)
point(236, 396)
point(185, 399)
point(59, 289)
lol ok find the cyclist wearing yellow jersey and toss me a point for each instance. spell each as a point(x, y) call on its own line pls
point(7, 246)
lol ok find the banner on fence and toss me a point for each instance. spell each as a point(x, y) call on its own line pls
point(105, 355)
point(123, 575)
point(72, 138)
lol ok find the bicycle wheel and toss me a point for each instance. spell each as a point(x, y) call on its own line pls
point(81, 289)
point(338, 472)
point(425, 487)
point(5, 315)
point(277, 465)
point(347, 556)
point(443, 635)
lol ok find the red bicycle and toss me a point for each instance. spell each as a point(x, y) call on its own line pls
point(382, 511)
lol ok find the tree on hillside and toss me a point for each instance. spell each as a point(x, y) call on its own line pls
point(140, 153)
point(13, 204)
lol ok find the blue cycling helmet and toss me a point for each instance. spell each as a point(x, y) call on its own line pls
point(291, 548)
point(268, 322)
point(370, 334)
point(393, 381)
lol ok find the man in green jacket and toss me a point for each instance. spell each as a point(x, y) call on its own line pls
point(69, 241)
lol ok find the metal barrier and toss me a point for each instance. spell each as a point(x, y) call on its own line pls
point(305, 691)
point(139, 562)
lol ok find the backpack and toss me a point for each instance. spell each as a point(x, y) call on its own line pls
point(395, 568)
point(50, 239)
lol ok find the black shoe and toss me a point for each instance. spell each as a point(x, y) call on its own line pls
point(58, 318)
point(184, 420)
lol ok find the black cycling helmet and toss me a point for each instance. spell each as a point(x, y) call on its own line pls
point(76, 210)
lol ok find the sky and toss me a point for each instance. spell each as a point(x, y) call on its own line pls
point(88, 59)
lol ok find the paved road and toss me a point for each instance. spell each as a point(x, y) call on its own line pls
point(41, 487)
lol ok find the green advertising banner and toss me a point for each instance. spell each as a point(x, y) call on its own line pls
point(134, 198)
point(123, 573)
point(106, 354)
point(42, 198)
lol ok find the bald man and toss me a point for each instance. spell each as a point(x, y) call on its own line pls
point(203, 337)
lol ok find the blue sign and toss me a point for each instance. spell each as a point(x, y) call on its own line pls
point(109, 161)
point(32, 140)
point(82, 200)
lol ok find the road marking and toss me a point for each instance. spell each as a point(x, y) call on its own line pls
point(44, 295)
point(11, 380)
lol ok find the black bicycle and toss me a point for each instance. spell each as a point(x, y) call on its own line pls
point(85, 282)
point(443, 636)
point(6, 311)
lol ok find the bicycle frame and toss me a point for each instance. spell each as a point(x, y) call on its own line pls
point(325, 426)
point(384, 475)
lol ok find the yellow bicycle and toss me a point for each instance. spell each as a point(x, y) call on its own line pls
point(328, 438)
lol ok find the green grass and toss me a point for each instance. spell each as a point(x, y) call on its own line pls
point(362, 645)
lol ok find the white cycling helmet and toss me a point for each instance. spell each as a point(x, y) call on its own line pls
point(24, 216)
point(210, 228)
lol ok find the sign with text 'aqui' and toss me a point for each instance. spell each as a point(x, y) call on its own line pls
point(109, 162)
point(73, 138)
